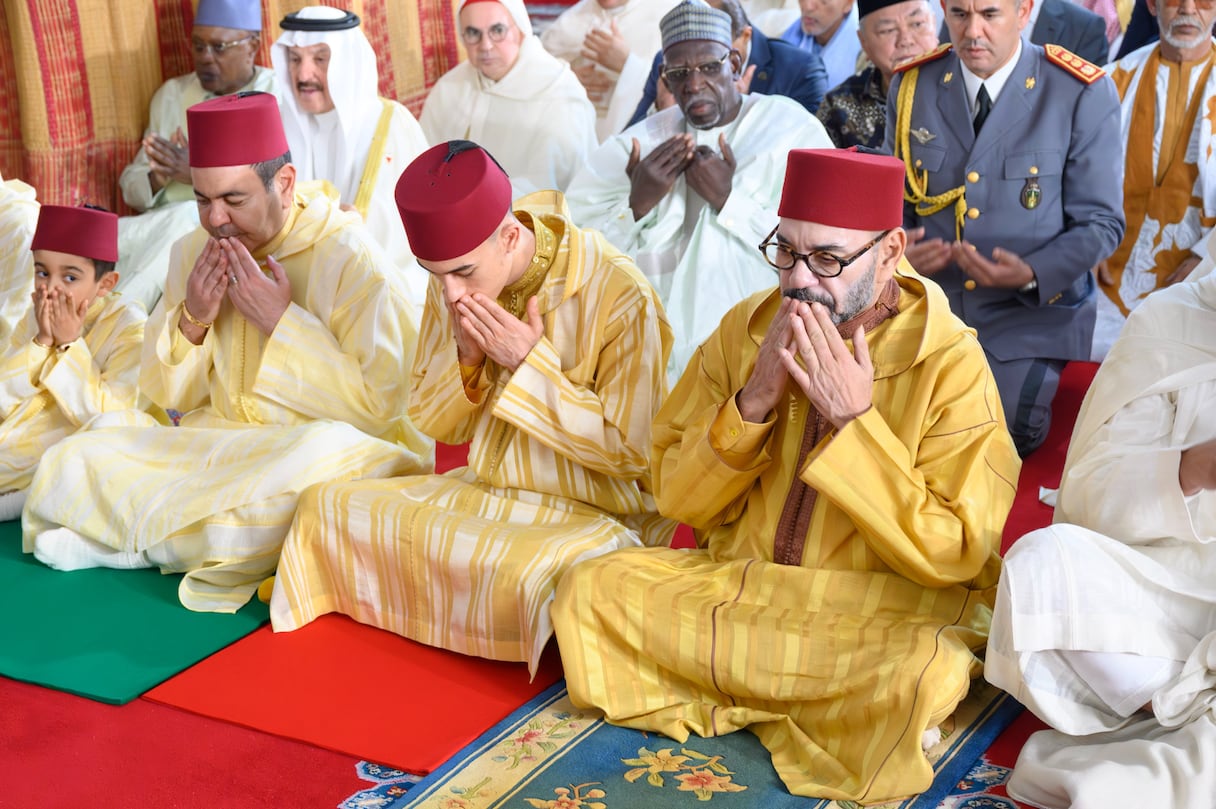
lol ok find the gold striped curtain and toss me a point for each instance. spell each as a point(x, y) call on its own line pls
point(76, 78)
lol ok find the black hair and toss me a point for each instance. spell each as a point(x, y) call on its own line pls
point(267, 169)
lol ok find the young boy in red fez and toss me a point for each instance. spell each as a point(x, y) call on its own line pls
point(838, 447)
point(76, 354)
point(285, 339)
point(545, 348)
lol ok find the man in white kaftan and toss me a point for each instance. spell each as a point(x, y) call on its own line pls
point(1105, 623)
point(224, 40)
point(1166, 92)
point(284, 336)
point(610, 44)
point(339, 128)
point(18, 219)
point(520, 102)
point(691, 191)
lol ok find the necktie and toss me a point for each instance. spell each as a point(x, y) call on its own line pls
point(983, 106)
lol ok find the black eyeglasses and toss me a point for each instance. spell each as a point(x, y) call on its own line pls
point(217, 48)
point(820, 262)
point(496, 32)
point(679, 75)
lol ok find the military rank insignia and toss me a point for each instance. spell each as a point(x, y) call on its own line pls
point(1079, 68)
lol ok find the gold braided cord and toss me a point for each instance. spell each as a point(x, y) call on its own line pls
point(915, 191)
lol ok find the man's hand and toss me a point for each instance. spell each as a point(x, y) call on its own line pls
point(1183, 270)
point(663, 97)
point(712, 176)
point(598, 84)
point(503, 337)
point(468, 350)
point(927, 256)
point(606, 48)
point(768, 379)
point(1197, 469)
point(261, 299)
point(744, 82)
point(651, 177)
point(839, 384)
point(205, 288)
point(169, 159)
point(1102, 271)
point(1006, 270)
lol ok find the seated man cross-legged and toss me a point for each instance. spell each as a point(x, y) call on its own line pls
point(545, 348)
point(287, 348)
point(848, 501)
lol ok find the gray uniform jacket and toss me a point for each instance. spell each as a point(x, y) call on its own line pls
point(1043, 179)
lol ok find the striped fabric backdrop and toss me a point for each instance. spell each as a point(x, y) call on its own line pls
point(76, 77)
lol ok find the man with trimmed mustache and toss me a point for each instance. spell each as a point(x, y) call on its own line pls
point(224, 40)
point(1014, 193)
point(285, 339)
point(339, 128)
point(1169, 187)
point(693, 189)
point(837, 446)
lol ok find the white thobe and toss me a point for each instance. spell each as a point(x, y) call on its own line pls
point(701, 261)
point(18, 219)
point(1127, 575)
point(638, 22)
point(170, 213)
point(536, 121)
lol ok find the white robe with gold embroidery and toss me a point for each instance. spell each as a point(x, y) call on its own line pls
point(323, 398)
point(18, 219)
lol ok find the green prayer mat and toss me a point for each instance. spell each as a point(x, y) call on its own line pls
point(109, 635)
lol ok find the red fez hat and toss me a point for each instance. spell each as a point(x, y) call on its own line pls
point(451, 198)
point(235, 130)
point(84, 232)
point(843, 188)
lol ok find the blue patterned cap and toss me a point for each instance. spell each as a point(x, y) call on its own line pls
point(695, 19)
point(245, 15)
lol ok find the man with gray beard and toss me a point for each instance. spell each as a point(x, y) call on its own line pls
point(838, 448)
point(1169, 187)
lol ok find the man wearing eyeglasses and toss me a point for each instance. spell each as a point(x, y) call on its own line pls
point(837, 446)
point(1169, 188)
point(690, 191)
point(512, 96)
point(224, 40)
point(1015, 193)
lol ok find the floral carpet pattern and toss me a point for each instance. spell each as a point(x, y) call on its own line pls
point(552, 755)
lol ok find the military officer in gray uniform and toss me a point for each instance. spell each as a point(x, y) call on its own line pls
point(1014, 193)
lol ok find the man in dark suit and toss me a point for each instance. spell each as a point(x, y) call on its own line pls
point(1015, 176)
point(1059, 22)
point(773, 67)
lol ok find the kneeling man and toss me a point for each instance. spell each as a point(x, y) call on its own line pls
point(545, 348)
point(838, 446)
point(1105, 622)
point(288, 349)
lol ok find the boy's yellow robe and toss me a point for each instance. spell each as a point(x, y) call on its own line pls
point(323, 397)
point(840, 663)
point(48, 393)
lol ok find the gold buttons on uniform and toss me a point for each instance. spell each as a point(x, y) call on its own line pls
point(1034, 170)
point(973, 177)
point(969, 284)
point(973, 213)
point(919, 163)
